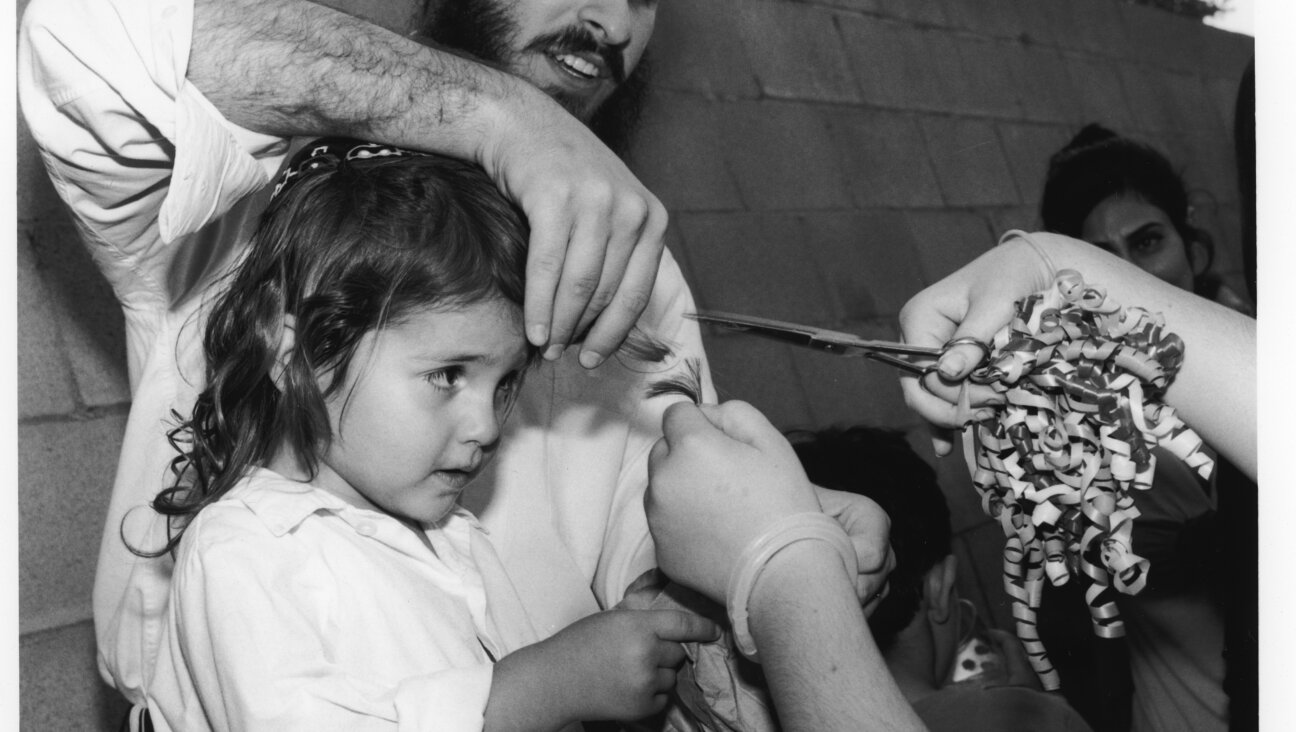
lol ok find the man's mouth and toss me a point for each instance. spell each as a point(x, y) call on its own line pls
point(583, 68)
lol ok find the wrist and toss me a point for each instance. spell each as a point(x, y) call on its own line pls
point(783, 536)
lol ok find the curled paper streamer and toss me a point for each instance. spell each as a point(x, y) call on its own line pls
point(1057, 464)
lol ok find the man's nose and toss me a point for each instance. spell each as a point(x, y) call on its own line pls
point(611, 21)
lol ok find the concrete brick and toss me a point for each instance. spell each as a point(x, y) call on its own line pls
point(863, 6)
point(902, 67)
point(996, 18)
point(1208, 162)
point(1225, 55)
point(756, 264)
point(1042, 84)
point(796, 52)
point(1162, 38)
point(969, 162)
point(677, 153)
point(885, 158)
point(758, 371)
point(1150, 103)
point(1223, 97)
point(1100, 96)
point(37, 200)
point(867, 261)
point(90, 320)
point(783, 157)
point(845, 391)
point(1094, 26)
point(59, 685)
point(696, 47)
point(1028, 148)
point(1191, 105)
point(44, 374)
point(947, 240)
point(1025, 218)
point(920, 12)
point(989, 88)
point(65, 474)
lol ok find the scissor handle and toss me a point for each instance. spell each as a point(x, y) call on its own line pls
point(969, 341)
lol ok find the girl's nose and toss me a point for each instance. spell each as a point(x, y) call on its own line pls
point(611, 21)
point(481, 422)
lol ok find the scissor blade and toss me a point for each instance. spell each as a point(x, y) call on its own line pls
point(831, 341)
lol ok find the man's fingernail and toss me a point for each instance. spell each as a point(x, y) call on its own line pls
point(983, 414)
point(590, 359)
point(537, 334)
point(553, 352)
point(952, 365)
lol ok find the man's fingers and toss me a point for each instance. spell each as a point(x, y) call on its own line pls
point(628, 302)
point(626, 222)
point(546, 251)
point(681, 626)
point(581, 273)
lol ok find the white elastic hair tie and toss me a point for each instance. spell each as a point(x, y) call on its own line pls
point(784, 533)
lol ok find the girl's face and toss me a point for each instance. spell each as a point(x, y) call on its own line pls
point(1141, 234)
point(421, 410)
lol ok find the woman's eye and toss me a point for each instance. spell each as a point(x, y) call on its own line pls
point(1147, 242)
point(445, 378)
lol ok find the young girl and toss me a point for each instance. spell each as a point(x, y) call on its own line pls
point(360, 363)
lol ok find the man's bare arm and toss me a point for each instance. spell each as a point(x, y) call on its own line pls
point(291, 67)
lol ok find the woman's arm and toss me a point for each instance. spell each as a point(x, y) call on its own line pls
point(1215, 391)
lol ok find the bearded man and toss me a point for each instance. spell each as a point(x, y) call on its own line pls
point(160, 124)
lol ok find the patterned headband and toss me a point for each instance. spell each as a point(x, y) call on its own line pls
point(327, 153)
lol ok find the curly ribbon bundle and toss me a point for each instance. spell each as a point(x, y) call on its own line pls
point(1055, 466)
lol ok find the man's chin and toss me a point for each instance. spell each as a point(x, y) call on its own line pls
point(580, 106)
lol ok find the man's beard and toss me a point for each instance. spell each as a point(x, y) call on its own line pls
point(486, 31)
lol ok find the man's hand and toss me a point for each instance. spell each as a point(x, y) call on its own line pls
point(596, 231)
point(869, 528)
point(295, 68)
point(718, 478)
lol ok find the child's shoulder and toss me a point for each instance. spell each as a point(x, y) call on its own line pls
point(261, 508)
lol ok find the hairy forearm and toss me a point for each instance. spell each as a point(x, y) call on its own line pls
point(824, 670)
point(292, 67)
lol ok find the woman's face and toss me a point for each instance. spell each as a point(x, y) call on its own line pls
point(1141, 234)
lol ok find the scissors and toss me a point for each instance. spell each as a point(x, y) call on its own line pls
point(917, 360)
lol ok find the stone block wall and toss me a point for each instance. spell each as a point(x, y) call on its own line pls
point(822, 160)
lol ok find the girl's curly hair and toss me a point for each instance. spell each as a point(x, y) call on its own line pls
point(347, 248)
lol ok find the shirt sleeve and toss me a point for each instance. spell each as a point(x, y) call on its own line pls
point(252, 648)
point(628, 549)
point(140, 156)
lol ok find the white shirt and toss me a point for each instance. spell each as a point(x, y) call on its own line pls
point(292, 609)
point(164, 191)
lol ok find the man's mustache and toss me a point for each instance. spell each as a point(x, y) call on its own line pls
point(578, 39)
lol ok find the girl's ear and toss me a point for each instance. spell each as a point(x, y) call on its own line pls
point(287, 341)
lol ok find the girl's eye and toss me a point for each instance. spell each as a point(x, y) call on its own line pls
point(446, 378)
point(1147, 243)
point(508, 388)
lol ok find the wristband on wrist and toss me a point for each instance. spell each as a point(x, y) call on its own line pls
point(785, 532)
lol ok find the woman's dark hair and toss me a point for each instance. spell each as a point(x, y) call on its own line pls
point(1098, 164)
point(881, 465)
point(348, 246)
